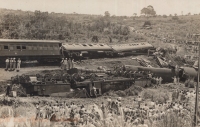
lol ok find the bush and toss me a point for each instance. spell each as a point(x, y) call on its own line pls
point(120, 93)
point(154, 95)
point(175, 18)
point(172, 119)
point(6, 112)
point(164, 16)
point(190, 83)
point(132, 91)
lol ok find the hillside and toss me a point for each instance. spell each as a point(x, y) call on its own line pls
point(17, 24)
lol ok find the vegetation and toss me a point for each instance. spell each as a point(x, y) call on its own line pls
point(81, 28)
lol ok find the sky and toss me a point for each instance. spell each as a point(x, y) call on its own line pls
point(98, 7)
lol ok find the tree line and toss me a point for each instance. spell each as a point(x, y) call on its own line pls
point(44, 25)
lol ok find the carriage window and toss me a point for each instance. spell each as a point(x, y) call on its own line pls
point(45, 47)
point(84, 44)
point(23, 47)
point(101, 44)
point(0, 47)
point(18, 47)
point(50, 47)
point(5, 47)
point(29, 47)
point(55, 47)
point(34, 47)
point(90, 45)
point(40, 47)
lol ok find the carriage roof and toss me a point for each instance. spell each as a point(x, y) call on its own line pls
point(27, 41)
point(84, 46)
point(131, 46)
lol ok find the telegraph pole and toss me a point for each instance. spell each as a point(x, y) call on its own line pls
point(197, 86)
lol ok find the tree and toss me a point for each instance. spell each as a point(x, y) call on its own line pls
point(107, 14)
point(134, 14)
point(175, 17)
point(148, 11)
point(164, 16)
point(175, 14)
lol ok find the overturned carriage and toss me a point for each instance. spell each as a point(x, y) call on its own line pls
point(65, 82)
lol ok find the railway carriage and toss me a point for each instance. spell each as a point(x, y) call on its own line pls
point(41, 50)
point(87, 50)
point(132, 48)
point(102, 50)
point(53, 51)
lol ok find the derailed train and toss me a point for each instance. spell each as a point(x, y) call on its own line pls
point(63, 82)
point(167, 74)
point(103, 81)
point(46, 50)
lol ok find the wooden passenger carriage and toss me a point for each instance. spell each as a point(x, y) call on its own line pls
point(41, 50)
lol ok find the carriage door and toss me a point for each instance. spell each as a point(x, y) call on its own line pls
point(98, 88)
point(43, 90)
point(12, 50)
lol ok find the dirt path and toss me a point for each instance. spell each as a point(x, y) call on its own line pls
point(6, 75)
point(109, 63)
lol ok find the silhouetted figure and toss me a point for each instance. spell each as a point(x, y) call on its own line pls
point(95, 39)
point(7, 63)
point(8, 90)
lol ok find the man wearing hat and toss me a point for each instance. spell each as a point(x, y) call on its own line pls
point(69, 64)
point(14, 64)
point(7, 63)
point(11, 63)
point(8, 90)
point(18, 64)
point(72, 63)
point(62, 64)
point(65, 64)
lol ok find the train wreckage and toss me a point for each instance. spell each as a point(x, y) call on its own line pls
point(53, 51)
point(86, 80)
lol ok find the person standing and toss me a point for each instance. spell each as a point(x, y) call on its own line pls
point(65, 64)
point(175, 80)
point(72, 63)
point(80, 57)
point(69, 64)
point(11, 63)
point(177, 73)
point(62, 64)
point(94, 89)
point(14, 64)
point(14, 90)
point(139, 99)
point(8, 90)
point(7, 63)
point(157, 81)
point(18, 64)
point(160, 80)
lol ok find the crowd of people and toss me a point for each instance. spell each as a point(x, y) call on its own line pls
point(92, 115)
point(136, 113)
point(67, 64)
point(12, 64)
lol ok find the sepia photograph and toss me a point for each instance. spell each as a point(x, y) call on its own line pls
point(99, 63)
